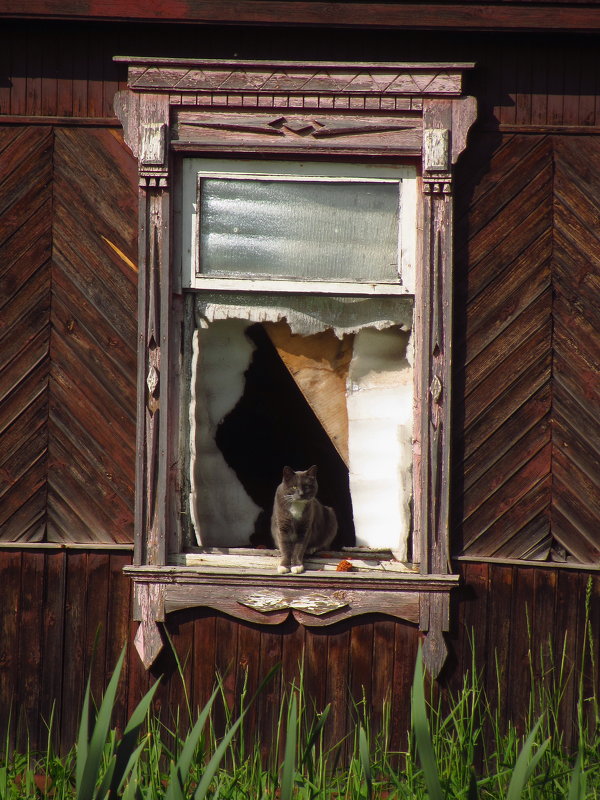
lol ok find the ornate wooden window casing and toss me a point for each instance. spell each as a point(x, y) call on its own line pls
point(414, 116)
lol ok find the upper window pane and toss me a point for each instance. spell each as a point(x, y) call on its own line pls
point(300, 221)
point(329, 230)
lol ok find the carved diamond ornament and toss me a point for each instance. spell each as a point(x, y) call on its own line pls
point(316, 603)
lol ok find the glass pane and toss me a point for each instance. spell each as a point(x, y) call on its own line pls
point(334, 230)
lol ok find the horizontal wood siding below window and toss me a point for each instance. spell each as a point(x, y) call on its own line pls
point(67, 614)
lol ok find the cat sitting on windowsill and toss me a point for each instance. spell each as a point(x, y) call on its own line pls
point(300, 524)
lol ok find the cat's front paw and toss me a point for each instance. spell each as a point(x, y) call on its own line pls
point(297, 568)
point(282, 569)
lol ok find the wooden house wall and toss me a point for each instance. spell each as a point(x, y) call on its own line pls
point(526, 438)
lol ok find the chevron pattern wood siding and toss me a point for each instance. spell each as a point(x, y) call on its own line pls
point(67, 336)
point(528, 336)
point(25, 280)
point(576, 348)
point(94, 325)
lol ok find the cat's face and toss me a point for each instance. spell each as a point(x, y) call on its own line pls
point(300, 485)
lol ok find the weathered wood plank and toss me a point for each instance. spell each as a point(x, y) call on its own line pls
point(204, 655)
point(503, 239)
point(269, 703)
point(514, 323)
point(336, 680)
point(511, 169)
point(521, 498)
point(384, 655)
point(73, 666)
point(466, 15)
point(118, 624)
point(500, 409)
point(30, 653)
point(361, 660)
point(514, 459)
point(406, 640)
point(9, 642)
point(497, 640)
point(52, 641)
point(518, 364)
point(518, 662)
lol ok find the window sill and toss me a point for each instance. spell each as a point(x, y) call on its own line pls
point(315, 598)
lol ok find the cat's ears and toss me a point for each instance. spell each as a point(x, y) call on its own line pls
point(288, 472)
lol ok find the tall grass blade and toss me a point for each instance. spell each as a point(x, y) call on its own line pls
point(180, 770)
point(127, 752)
point(420, 726)
point(365, 760)
point(83, 739)
point(214, 763)
point(525, 764)
point(314, 733)
point(289, 759)
point(577, 783)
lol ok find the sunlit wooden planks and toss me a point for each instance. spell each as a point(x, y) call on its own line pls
point(576, 441)
point(92, 387)
point(25, 241)
point(504, 456)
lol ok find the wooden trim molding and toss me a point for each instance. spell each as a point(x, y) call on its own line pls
point(413, 113)
point(517, 15)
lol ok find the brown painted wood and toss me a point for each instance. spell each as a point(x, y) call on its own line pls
point(53, 610)
point(25, 241)
point(73, 667)
point(336, 683)
point(268, 703)
point(204, 655)
point(9, 642)
point(495, 647)
point(117, 626)
point(361, 660)
point(406, 640)
point(382, 692)
point(29, 659)
point(466, 15)
point(507, 296)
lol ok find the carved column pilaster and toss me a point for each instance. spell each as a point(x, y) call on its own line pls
point(145, 121)
point(445, 126)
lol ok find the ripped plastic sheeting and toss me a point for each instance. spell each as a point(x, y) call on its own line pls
point(221, 510)
point(307, 314)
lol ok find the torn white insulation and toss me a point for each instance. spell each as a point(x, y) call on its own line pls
point(307, 314)
point(222, 512)
point(379, 402)
point(378, 397)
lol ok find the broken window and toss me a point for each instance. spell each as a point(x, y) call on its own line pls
point(298, 346)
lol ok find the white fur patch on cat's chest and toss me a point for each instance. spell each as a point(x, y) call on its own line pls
point(297, 508)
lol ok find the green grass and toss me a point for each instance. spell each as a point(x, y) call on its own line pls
point(458, 749)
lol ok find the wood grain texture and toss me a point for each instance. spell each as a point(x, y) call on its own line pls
point(371, 657)
point(469, 15)
point(506, 342)
point(25, 298)
point(531, 289)
point(576, 349)
point(92, 380)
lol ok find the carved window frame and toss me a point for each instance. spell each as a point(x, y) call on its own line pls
point(410, 113)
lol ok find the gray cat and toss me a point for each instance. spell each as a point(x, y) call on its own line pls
point(300, 523)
